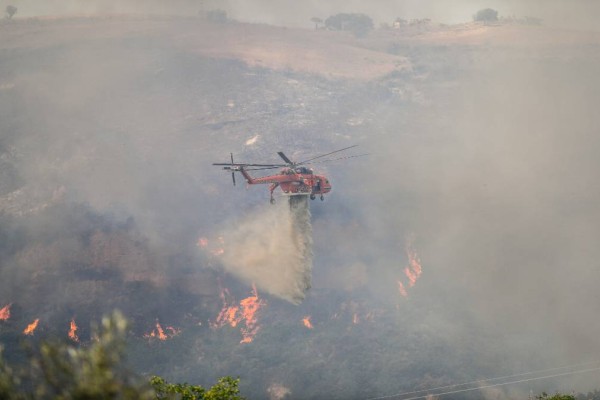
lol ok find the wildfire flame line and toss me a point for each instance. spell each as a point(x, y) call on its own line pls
point(5, 312)
point(249, 309)
point(412, 271)
point(73, 331)
point(307, 323)
point(227, 315)
point(31, 327)
point(245, 313)
point(159, 332)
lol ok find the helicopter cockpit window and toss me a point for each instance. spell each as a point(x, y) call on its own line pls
point(303, 170)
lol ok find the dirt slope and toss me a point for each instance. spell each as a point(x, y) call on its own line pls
point(330, 54)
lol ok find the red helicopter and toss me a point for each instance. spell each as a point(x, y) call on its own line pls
point(294, 178)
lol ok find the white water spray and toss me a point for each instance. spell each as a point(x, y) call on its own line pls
point(272, 248)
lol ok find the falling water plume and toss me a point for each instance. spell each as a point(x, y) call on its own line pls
point(272, 248)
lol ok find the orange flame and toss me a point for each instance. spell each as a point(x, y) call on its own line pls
point(231, 316)
point(228, 314)
point(246, 312)
point(249, 308)
point(412, 277)
point(31, 327)
point(413, 271)
point(5, 312)
point(307, 323)
point(160, 334)
point(73, 331)
point(402, 289)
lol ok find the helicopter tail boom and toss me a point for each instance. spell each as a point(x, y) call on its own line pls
point(240, 169)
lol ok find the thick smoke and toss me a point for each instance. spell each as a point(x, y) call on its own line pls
point(272, 248)
point(486, 149)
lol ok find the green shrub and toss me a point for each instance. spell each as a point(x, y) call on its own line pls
point(97, 372)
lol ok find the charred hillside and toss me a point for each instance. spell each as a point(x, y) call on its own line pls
point(463, 247)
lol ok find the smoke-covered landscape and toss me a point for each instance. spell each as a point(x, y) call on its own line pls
point(462, 247)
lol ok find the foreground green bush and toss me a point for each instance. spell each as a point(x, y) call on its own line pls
point(62, 372)
point(226, 388)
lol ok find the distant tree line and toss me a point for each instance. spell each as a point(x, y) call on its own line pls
point(10, 11)
point(490, 15)
point(486, 15)
point(359, 24)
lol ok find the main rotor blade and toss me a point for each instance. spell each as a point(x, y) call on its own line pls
point(232, 172)
point(250, 165)
point(323, 155)
point(336, 159)
point(263, 168)
point(287, 160)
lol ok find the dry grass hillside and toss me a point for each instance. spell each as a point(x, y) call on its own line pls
point(329, 54)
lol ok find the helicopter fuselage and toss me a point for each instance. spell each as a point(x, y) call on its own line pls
point(293, 181)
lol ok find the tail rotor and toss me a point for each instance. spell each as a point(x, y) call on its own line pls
point(232, 170)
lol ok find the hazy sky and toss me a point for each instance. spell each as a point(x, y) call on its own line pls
point(572, 14)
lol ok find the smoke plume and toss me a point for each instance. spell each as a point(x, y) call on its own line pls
point(483, 143)
point(272, 248)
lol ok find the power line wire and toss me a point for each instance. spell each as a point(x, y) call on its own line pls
point(430, 390)
point(507, 383)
